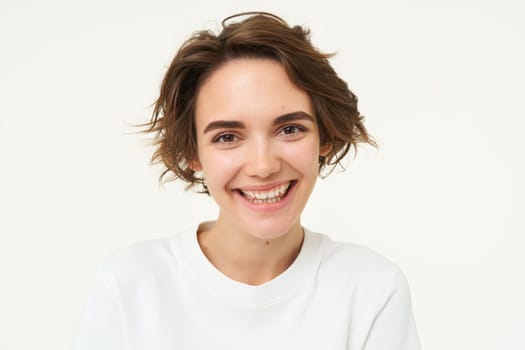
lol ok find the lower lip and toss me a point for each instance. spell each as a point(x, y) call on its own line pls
point(270, 206)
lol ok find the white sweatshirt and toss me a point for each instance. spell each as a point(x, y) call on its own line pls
point(164, 294)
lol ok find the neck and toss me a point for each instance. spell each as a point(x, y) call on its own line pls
point(248, 259)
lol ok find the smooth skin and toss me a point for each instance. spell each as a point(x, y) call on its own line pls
point(256, 133)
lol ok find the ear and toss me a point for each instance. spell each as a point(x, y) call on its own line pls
point(325, 149)
point(195, 165)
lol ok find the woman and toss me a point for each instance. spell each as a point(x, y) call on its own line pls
point(252, 116)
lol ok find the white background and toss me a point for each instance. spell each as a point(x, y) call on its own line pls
point(441, 84)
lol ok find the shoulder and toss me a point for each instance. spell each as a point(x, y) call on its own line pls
point(140, 260)
point(360, 267)
point(356, 256)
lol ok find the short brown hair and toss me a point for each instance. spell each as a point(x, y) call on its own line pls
point(263, 35)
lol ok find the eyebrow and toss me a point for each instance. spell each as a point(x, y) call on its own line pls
point(234, 124)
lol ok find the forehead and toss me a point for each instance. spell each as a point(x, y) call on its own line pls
point(254, 87)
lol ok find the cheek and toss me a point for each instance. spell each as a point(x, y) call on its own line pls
point(304, 157)
point(219, 169)
point(218, 165)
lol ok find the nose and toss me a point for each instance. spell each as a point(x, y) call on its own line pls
point(262, 159)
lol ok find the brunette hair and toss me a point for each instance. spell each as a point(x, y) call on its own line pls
point(259, 34)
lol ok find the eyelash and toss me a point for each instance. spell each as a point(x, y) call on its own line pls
point(220, 138)
point(296, 129)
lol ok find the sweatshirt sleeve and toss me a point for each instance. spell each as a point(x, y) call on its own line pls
point(394, 327)
point(101, 325)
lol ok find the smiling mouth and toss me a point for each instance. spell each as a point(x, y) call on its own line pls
point(274, 195)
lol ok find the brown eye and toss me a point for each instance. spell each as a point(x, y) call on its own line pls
point(292, 129)
point(225, 138)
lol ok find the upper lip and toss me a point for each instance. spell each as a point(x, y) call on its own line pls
point(265, 187)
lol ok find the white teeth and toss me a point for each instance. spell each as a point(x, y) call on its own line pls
point(268, 196)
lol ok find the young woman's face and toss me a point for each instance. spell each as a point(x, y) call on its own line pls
point(258, 146)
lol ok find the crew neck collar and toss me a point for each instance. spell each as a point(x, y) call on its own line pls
point(298, 275)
